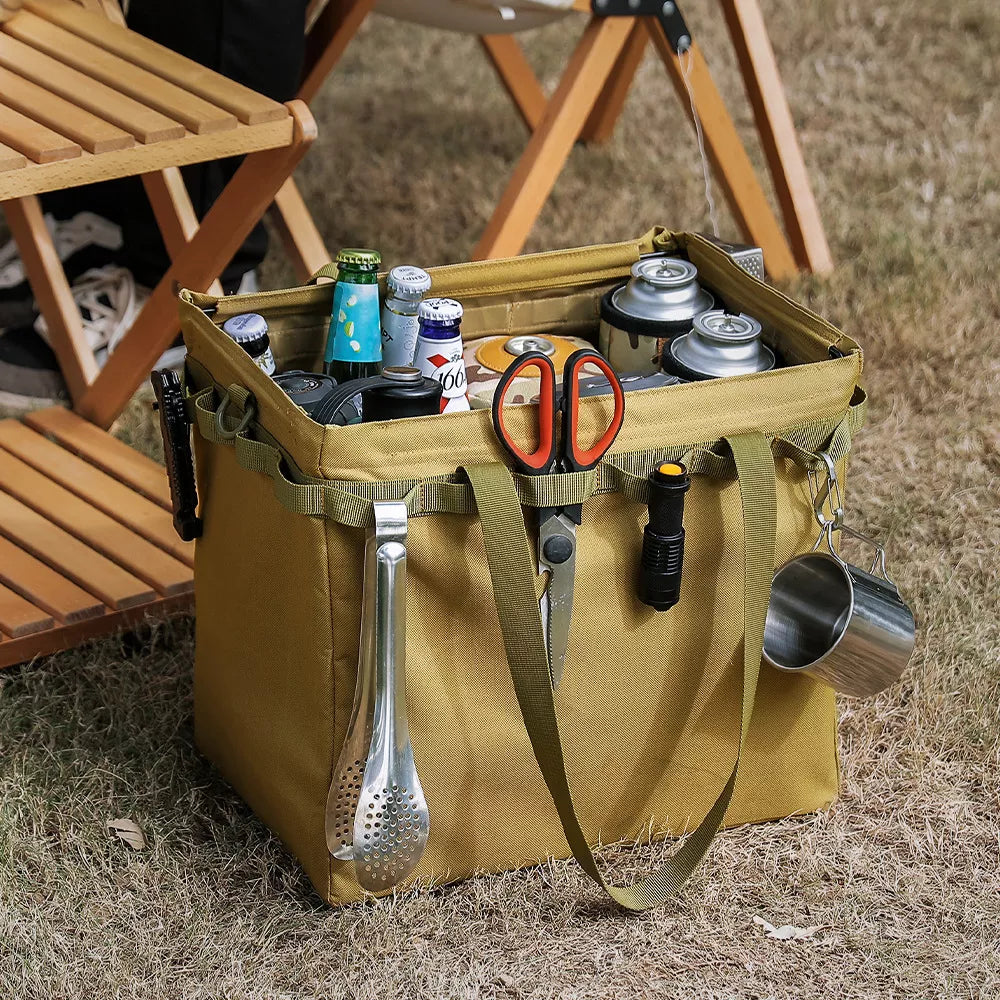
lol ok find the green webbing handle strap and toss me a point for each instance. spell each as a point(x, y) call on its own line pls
point(511, 569)
point(349, 502)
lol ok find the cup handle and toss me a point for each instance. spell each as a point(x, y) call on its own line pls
point(878, 567)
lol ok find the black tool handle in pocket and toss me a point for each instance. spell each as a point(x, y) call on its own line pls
point(176, 430)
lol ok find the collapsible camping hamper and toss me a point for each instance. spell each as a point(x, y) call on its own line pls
point(648, 716)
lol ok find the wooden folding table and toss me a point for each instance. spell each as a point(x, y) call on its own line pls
point(86, 541)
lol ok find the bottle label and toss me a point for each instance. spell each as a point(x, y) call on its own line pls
point(399, 338)
point(355, 331)
point(265, 362)
point(442, 360)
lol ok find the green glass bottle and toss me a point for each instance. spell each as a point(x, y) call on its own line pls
point(354, 342)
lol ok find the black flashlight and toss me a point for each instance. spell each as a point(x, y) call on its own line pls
point(663, 538)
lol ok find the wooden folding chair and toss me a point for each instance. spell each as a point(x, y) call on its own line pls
point(86, 541)
point(585, 106)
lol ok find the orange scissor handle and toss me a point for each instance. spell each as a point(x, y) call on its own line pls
point(579, 459)
point(542, 459)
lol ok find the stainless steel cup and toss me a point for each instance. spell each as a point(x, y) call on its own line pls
point(840, 624)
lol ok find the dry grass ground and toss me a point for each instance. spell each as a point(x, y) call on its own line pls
point(899, 117)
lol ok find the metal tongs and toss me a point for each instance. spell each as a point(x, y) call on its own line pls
point(376, 814)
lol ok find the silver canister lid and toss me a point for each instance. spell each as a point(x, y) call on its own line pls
point(403, 374)
point(245, 327)
point(527, 342)
point(664, 289)
point(440, 310)
point(407, 281)
point(722, 343)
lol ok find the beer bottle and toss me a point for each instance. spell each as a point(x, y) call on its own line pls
point(405, 287)
point(439, 352)
point(354, 343)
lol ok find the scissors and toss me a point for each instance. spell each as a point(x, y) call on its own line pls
point(558, 450)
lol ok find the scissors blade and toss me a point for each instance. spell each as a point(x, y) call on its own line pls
point(557, 554)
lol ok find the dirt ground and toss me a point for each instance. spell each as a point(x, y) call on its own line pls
point(898, 114)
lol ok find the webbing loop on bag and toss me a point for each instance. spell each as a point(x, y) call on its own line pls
point(349, 502)
point(249, 412)
point(512, 573)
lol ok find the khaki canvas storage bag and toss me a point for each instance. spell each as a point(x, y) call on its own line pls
point(664, 723)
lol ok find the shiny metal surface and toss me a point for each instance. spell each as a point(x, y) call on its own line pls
point(392, 823)
point(557, 600)
point(721, 344)
point(528, 342)
point(342, 800)
point(838, 623)
point(664, 289)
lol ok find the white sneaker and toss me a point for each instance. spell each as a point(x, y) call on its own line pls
point(109, 300)
point(85, 229)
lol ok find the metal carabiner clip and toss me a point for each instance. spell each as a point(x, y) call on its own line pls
point(826, 494)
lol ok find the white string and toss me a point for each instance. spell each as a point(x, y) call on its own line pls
point(687, 61)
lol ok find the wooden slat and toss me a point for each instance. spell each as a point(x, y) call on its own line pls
point(196, 114)
point(96, 487)
point(35, 140)
point(142, 159)
point(92, 133)
point(48, 542)
point(108, 103)
point(20, 617)
point(250, 107)
point(101, 532)
point(44, 587)
point(69, 636)
point(11, 159)
point(106, 452)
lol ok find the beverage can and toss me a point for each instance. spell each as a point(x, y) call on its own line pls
point(439, 353)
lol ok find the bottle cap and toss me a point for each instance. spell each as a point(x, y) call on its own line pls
point(367, 260)
point(440, 310)
point(408, 281)
point(245, 327)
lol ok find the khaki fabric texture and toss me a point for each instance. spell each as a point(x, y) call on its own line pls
point(650, 702)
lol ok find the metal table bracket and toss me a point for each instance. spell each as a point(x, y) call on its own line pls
point(665, 11)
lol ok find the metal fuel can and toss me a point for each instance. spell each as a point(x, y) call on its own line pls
point(658, 303)
point(719, 344)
